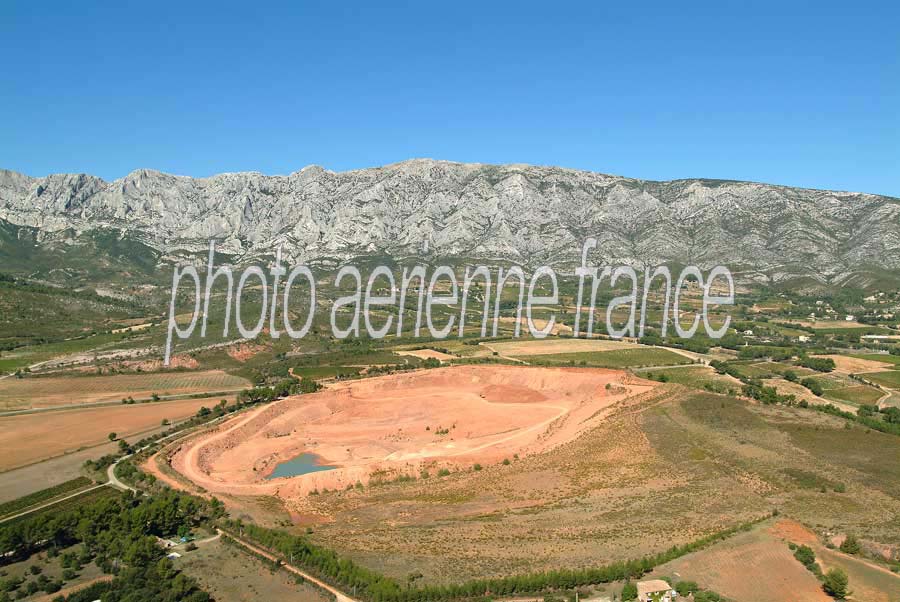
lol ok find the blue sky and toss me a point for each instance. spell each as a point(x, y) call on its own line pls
point(805, 95)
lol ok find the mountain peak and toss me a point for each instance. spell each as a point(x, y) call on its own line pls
point(478, 211)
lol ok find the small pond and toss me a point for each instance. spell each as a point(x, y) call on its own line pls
point(298, 465)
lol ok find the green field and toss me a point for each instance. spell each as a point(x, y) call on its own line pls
point(698, 377)
point(879, 357)
point(860, 394)
point(44, 495)
point(890, 379)
point(756, 369)
point(89, 496)
point(32, 354)
point(859, 330)
point(319, 372)
point(623, 358)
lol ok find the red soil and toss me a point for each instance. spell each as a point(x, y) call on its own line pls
point(396, 424)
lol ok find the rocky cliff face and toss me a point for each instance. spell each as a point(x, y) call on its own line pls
point(526, 214)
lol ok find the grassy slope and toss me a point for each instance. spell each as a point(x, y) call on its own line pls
point(640, 482)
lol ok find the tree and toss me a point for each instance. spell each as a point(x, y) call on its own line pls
point(112, 436)
point(850, 545)
point(819, 364)
point(835, 584)
point(813, 386)
point(867, 410)
point(629, 591)
point(805, 555)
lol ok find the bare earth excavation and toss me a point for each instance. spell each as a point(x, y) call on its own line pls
point(401, 424)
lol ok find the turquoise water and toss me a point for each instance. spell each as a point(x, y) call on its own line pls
point(302, 464)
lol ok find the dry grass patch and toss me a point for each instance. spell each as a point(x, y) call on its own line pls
point(750, 567)
point(553, 346)
point(50, 391)
point(29, 438)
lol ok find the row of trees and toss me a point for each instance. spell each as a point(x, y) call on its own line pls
point(886, 420)
point(889, 424)
point(834, 582)
point(819, 364)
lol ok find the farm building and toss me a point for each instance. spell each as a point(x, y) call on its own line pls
point(655, 590)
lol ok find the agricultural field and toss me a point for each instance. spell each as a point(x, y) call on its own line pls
point(454, 346)
point(325, 372)
point(892, 401)
point(424, 354)
point(889, 379)
point(761, 369)
point(99, 493)
point(34, 478)
point(852, 364)
point(756, 566)
point(637, 357)
point(843, 327)
point(801, 393)
point(555, 346)
point(697, 377)
point(32, 437)
point(28, 355)
point(884, 358)
point(229, 574)
point(839, 388)
point(44, 496)
point(36, 392)
point(857, 395)
point(867, 581)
